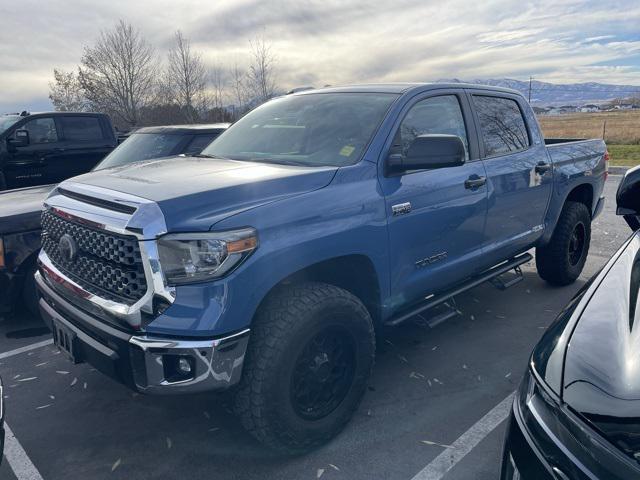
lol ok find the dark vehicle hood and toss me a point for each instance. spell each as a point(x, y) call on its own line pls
point(602, 365)
point(194, 193)
point(20, 209)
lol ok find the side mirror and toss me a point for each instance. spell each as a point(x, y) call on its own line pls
point(628, 198)
point(20, 138)
point(429, 151)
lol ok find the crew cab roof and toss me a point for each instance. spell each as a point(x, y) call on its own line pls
point(401, 88)
point(182, 129)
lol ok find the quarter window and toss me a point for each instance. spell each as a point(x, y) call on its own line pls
point(41, 130)
point(502, 124)
point(432, 116)
point(82, 128)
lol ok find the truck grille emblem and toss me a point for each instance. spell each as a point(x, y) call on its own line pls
point(68, 248)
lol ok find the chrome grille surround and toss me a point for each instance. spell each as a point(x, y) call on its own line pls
point(143, 227)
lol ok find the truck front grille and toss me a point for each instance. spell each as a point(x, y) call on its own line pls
point(107, 264)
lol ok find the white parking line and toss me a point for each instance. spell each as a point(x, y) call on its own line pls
point(466, 442)
point(27, 348)
point(18, 460)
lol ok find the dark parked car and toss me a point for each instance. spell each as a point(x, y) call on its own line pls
point(1, 420)
point(20, 209)
point(45, 148)
point(577, 412)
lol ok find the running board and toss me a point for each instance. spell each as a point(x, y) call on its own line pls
point(437, 299)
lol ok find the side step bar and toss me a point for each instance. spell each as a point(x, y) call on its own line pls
point(472, 282)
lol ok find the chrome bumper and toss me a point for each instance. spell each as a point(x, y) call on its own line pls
point(218, 363)
point(141, 361)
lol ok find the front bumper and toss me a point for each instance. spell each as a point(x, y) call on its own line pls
point(144, 363)
point(545, 440)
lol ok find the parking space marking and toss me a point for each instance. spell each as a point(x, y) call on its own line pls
point(26, 348)
point(18, 460)
point(466, 442)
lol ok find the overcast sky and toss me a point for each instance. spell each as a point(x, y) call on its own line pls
point(336, 42)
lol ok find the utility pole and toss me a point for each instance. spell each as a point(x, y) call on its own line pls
point(530, 79)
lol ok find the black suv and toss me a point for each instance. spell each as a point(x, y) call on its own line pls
point(44, 148)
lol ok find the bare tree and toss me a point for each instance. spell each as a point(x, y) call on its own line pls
point(218, 85)
point(118, 73)
point(66, 94)
point(187, 78)
point(239, 90)
point(260, 77)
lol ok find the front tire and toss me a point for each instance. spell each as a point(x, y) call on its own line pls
point(561, 261)
point(30, 292)
point(308, 363)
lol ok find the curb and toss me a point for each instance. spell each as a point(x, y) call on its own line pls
point(616, 170)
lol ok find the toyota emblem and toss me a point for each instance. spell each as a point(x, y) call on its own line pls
point(68, 248)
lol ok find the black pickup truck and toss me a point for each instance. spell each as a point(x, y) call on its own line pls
point(20, 209)
point(45, 148)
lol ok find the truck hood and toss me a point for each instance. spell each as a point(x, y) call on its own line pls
point(20, 209)
point(602, 365)
point(194, 193)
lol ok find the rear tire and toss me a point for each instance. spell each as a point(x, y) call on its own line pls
point(308, 363)
point(561, 261)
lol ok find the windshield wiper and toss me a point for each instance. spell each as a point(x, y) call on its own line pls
point(207, 155)
point(280, 161)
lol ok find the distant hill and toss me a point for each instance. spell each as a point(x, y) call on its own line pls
point(555, 94)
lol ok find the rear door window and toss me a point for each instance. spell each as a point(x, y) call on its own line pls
point(503, 127)
point(81, 128)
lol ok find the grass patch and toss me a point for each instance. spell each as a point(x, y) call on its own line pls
point(621, 127)
point(627, 155)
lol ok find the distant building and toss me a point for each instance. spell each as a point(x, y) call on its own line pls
point(590, 108)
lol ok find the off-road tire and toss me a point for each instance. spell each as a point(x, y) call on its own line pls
point(557, 262)
point(284, 326)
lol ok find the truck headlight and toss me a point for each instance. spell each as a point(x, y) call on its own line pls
point(199, 257)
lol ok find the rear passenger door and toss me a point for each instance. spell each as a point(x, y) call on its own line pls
point(85, 143)
point(519, 177)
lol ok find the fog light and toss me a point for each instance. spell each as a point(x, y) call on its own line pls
point(178, 368)
point(184, 366)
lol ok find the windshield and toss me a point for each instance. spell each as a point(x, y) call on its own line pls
point(141, 146)
point(7, 120)
point(310, 130)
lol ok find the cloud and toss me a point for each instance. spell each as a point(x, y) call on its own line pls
point(333, 42)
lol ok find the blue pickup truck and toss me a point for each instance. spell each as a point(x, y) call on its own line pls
point(268, 264)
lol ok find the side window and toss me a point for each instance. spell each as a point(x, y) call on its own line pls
point(81, 129)
point(436, 115)
point(41, 130)
point(198, 142)
point(502, 124)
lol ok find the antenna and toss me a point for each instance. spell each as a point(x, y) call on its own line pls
point(530, 79)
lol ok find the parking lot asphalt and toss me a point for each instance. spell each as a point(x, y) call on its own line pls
point(429, 387)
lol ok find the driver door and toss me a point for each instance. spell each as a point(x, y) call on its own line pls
point(29, 165)
point(436, 218)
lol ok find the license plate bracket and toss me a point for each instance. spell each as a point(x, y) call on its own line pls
point(65, 339)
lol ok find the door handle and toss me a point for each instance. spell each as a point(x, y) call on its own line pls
point(543, 168)
point(474, 182)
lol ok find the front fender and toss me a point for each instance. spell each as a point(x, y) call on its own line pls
point(345, 218)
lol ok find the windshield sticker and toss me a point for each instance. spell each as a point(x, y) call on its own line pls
point(347, 150)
